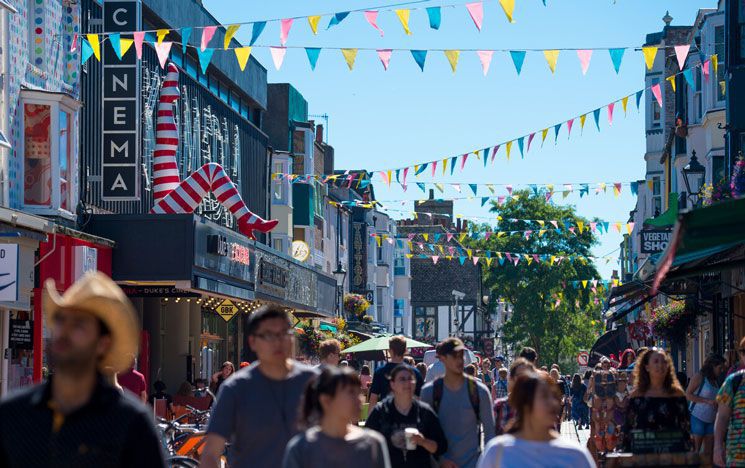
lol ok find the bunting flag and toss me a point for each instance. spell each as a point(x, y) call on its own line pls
point(242, 54)
point(624, 103)
point(705, 69)
point(372, 17)
point(138, 37)
point(337, 18)
point(312, 53)
point(284, 30)
point(584, 56)
point(476, 10)
point(435, 17)
point(349, 56)
point(161, 34)
point(278, 56)
point(185, 35)
point(681, 54)
point(715, 65)
point(671, 80)
point(518, 57)
point(204, 58)
point(552, 56)
point(452, 56)
point(616, 55)
point(639, 98)
point(688, 75)
point(95, 45)
point(385, 57)
point(650, 52)
point(509, 7)
point(162, 50)
point(86, 50)
point(582, 119)
point(256, 31)
point(610, 112)
point(419, 57)
point(403, 16)
point(229, 34)
point(115, 40)
point(596, 115)
point(485, 57)
point(657, 93)
point(207, 33)
point(313, 23)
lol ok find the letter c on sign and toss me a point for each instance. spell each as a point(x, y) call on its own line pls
point(116, 14)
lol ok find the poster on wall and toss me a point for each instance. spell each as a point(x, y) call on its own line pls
point(8, 272)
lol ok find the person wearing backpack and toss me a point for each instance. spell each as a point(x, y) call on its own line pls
point(463, 405)
point(701, 393)
point(730, 421)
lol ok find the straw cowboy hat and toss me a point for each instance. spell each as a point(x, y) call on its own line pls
point(97, 294)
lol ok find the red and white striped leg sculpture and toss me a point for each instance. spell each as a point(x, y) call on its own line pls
point(174, 196)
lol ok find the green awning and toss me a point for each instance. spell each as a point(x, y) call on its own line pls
point(380, 343)
point(327, 327)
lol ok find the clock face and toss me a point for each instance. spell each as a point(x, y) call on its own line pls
point(300, 250)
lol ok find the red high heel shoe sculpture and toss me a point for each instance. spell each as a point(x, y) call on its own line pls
point(171, 194)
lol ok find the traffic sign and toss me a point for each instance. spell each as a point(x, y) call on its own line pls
point(583, 358)
point(227, 310)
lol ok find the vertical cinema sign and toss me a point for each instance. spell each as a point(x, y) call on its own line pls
point(120, 178)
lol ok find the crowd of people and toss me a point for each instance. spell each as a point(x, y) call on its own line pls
point(280, 412)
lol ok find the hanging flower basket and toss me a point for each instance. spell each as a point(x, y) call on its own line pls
point(356, 305)
point(672, 321)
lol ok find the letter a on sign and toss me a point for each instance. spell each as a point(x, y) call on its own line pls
point(119, 183)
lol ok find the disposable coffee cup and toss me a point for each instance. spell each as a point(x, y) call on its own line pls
point(410, 432)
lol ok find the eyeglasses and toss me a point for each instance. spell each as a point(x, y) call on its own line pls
point(274, 337)
point(741, 351)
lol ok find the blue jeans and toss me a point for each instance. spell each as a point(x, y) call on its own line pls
point(701, 428)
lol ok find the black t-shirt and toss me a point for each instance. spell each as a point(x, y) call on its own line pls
point(381, 386)
point(386, 419)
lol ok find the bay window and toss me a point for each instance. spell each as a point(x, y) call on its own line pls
point(50, 155)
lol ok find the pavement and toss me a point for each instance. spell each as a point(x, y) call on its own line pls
point(570, 432)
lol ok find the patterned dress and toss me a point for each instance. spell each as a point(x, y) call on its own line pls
point(735, 398)
point(663, 420)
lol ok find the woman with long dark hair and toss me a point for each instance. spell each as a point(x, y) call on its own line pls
point(226, 370)
point(702, 393)
point(657, 406)
point(580, 411)
point(531, 439)
point(330, 408)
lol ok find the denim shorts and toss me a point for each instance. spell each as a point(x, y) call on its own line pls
point(700, 428)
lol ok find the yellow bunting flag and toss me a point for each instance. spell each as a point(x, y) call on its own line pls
point(379, 240)
point(582, 119)
point(389, 177)
point(509, 7)
point(470, 253)
point(229, 33)
point(625, 103)
point(125, 44)
point(616, 190)
point(528, 258)
point(629, 227)
point(409, 255)
point(650, 184)
point(650, 53)
point(403, 16)
point(440, 187)
point(313, 23)
point(425, 236)
point(162, 33)
point(95, 45)
point(462, 236)
point(452, 56)
point(544, 132)
point(552, 56)
point(242, 54)
point(584, 284)
point(442, 251)
point(416, 170)
point(671, 79)
point(349, 55)
point(500, 234)
point(444, 166)
point(490, 187)
point(715, 63)
point(508, 147)
point(541, 232)
point(488, 261)
point(580, 226)
point(553, 259)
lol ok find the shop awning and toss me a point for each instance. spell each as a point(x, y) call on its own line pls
point(612, 342)
point(704, 240)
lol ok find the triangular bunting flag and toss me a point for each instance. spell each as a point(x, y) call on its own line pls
point(639, 98)
point(138, 38)
point(552, 56)
point(278, 56)
point(596, 115)
point(452, 56)
point(403, 16)
point(124, 45)
point(337, 18)
point(681, 53)
point(163, 49)
point(485, 57)
point(284, 30)
point(204, 58)
point(161, 34)
point(610, 112)
point(419, 57)
point(185, 35)
point(115, 40)
point(207, 34)
point(256, 31)
point(313, 53)
point(584, 56)
point(313, 23)
point(349, 56)
point(624, 104)
point(95, 45)
point(230, 33)
point(671, 79)
point(518, 57)
point(657, 93)
point(650, 52)
point(616, 55)
point(86, 50)
point(509, 7)
point(385, 57)
point(435, 17)
point(372, 17)
point(476, 10)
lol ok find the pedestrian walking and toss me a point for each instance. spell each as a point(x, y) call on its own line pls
point(133, 381)
point(729, 426)
point(411, 428)
point(487, 375)
point(331, 406)
point(580, 411)
point(702, 393)
point(563, 392)
point(627, 358)
point(226, 370)
point(463, 405)
point(532, 440)
point(422, 368)
point(329, 351)
point(531, 355)
point(500, 384)
point(503, 413)
point(257, 407)
point(365, 380)
point(76, 418)
point(380, 388)
point(657, 405)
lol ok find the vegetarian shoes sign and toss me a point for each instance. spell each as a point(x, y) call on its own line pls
point(655, 240)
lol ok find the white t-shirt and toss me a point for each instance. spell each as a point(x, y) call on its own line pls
point(506, 451)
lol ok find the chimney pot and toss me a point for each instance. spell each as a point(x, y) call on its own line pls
point(319, 133)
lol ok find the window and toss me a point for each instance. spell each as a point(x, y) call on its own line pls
point(717, 169)
point(379, 302)
point(49, 153)
point(656, 196)
point(379, 251)
point(399, 266)
point(425, 323)
point(656, 110)
point(191, 66)
point(279, 186)
point(278, 245)
point(718, 83)
point(697, 100)
point(224, 92)
point(398, 315)
point(319, 198)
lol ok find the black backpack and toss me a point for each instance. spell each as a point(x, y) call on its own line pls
point(473, 394)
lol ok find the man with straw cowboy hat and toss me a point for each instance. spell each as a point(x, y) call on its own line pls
point(77, 418)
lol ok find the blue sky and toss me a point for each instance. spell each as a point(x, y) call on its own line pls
point(380, 119)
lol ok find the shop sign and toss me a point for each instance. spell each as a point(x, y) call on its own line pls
point(227, 310)
point(655, 240)
point(20, 334)
point(218, 244)
point(218, 249)
point(156, 291)
point(359, 258)
point(120, 167)
point(8, 272)
point(272, 277)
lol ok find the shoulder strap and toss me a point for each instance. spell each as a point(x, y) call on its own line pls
point(437, 394)
point(473, 395)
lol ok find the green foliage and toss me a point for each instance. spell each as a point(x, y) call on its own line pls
point(558, 333)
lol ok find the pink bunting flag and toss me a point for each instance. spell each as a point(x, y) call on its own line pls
point(434, 168)
point(372, 17)
point(485, 56)
point(610, 112)
point(207, 34)
point(657, 93)
point(456, 187)
point(476, 10)
point(593, 226)
point(556, 224)
point(509, 256)
point(487, 234)
point(494, 153)
point(435, 258)
point(527, 234)
point(617, 186)
point(138, 37)
point(681, 53)
point(475, 260)
point(384, 175)
point(463, 160)
point(584, 59)
point(705, 70)
point(536, 258)
point(549, 195)
point(530, 139)
point(500, 200)
point(449, 237)
point(509, 189)
point(74, 45)
point(451, 249)
point(406, 172)
point(385, 56)
point(278, 56)
point(284, 30)
point(570, 122)
point(163, 49)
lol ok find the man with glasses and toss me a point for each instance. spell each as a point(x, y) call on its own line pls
point(730, 421)
point(256, 409)
point(329, 351)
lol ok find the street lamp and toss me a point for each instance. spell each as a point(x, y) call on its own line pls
point(340, 274)
point(693, 176)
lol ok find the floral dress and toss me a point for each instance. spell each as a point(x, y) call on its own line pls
point(663, 421)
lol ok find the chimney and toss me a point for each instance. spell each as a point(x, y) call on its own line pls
point(319, 133)
point(431, 194)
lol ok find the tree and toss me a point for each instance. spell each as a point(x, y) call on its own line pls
point(550, 314)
